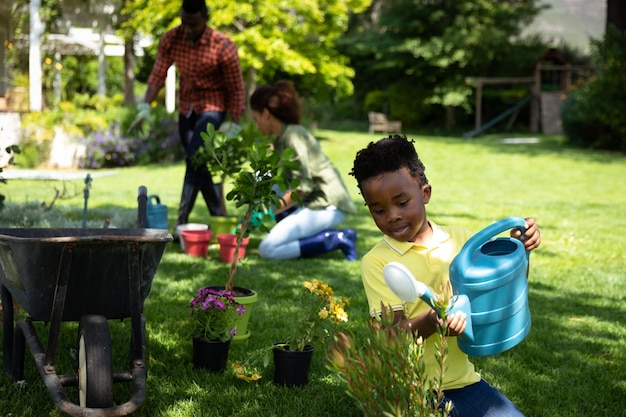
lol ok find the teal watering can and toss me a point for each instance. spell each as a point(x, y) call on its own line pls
point(493, 275)
point(489, 279)
point(156, 213)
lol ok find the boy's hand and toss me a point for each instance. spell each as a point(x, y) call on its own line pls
point(456, 323)
point(531, 237)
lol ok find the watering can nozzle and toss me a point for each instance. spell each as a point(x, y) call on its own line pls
point(403, 284)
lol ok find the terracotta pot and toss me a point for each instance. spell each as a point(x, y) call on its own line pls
point(188, 226)
point(211, 355)
point(196, 242)
point(291, 367)
point(228, 243)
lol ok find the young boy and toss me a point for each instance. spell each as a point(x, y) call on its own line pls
point(391, 179)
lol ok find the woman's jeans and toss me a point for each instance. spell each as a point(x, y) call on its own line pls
point(480, 400)
point(282, 242)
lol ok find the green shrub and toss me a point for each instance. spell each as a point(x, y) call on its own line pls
point(35, 215)
point(11, 150)
point(80, 75)
point(115, 146)
point(593, 115)
point(35, 140)
point(402, 102)
point(375, 101)
point(102, 124)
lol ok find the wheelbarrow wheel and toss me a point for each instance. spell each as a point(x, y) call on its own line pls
point(95, 363)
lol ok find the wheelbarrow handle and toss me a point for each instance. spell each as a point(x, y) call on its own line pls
point(142, 202)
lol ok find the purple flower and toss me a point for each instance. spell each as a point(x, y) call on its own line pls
point(215, 313)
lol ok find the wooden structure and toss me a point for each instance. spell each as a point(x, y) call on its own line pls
point(480, 82)
point(379, 123)
point(552, 82)
point(548, 87)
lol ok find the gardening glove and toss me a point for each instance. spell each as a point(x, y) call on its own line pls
point(259, 217)
point(231, 129)
point(143, 114)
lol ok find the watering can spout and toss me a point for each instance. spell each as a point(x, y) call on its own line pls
point(403, 283)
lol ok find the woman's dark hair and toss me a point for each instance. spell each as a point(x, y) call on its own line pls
point(280, 99)
point(195, 6)
point(388, 155)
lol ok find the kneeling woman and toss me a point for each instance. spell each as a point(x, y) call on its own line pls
point(307, 230)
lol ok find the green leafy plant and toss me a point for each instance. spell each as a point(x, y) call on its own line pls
point(592, 114)
point(225, 151)
point(12, 149)
point(322, 311)
point(214, 314)
point(384, 370)
point(257, 172)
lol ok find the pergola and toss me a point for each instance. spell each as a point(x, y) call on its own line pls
point(87, 31)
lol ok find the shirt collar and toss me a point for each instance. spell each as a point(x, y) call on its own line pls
point(205, 38)
point(439, 237)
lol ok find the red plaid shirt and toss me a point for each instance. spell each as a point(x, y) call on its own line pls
point(210, 74)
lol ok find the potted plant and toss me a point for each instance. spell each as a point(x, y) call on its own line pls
point(256, 172)
point(225, 151)
point(321, 312)
point(214, 315)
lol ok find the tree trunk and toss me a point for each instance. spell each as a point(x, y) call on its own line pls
point(129, 72)
point(35, 71)
point(129, 60)
point(102, 69)
point(616, 14)
point(450, 119)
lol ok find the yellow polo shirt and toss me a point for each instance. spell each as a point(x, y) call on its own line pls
point(430, 265)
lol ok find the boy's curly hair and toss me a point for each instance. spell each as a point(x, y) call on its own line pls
point(388, 155)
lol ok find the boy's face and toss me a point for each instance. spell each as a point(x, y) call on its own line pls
point(397, 202)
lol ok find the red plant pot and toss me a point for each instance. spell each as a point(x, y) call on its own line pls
point(228, 243)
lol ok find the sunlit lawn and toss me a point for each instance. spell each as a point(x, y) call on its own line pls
point(571, 364)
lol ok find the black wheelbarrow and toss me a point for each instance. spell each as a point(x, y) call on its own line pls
point(87, 276)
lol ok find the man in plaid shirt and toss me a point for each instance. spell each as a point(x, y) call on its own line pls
point(211, 83)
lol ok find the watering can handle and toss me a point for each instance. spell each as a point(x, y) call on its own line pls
point(154, 197)
point(489, 232)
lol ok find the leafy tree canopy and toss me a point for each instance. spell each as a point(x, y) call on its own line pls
point(436, 44)
point(275, 38)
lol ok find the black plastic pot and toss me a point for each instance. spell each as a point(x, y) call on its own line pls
point(292, 366)
point(211, 355)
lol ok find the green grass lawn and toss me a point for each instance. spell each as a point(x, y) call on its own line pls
point(572, 364)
